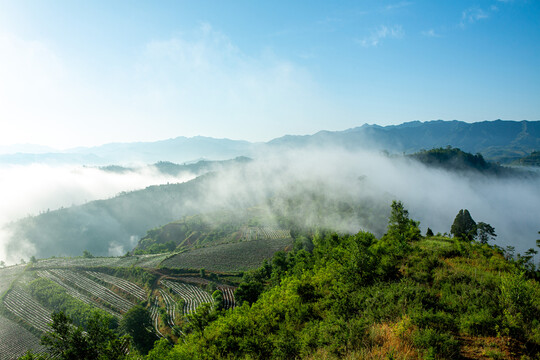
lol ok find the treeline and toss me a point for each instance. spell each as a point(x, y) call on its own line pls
point(455, 159)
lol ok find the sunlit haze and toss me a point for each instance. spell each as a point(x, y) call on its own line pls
point(78, 73)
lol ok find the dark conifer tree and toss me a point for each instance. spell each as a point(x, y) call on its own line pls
point(464, 226)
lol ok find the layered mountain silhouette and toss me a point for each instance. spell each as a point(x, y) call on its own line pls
point(500, 140)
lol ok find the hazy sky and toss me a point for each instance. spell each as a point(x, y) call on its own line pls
point(90, 72)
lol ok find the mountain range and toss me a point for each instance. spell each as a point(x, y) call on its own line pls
point(500, 140)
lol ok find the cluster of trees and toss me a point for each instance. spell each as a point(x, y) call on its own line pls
point(98, 338)
point(467, 229)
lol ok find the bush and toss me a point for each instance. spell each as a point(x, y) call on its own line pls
point(436, 343)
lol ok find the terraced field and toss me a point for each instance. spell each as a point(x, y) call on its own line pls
point(264, 233)
point(193, 296)
point(154, 314)
point(21, 304)
point(16, 340)
point(74, 292)
point(144, 261)
point(113, 294)
point(170, 305)
point(127, 286)
point(239, 256)
point(228, 291)
point(96, 290)
point(8, 275)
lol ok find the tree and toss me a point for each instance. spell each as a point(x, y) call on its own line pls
point(200, 319)
point(429, 232)
point(2, 263)
point(400, 226)
point(87, 254)
point(218, 300)
point(248, 291)
point(485, 232)
point(67, 341)
point(464, 226)
point(138, 324)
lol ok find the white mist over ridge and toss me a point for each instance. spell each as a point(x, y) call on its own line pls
point(27, 190)
point(432, 195)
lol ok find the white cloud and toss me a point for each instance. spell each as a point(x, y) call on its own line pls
point(398, 5)
point(381, 33)
point(472, 15)
point(430, 33)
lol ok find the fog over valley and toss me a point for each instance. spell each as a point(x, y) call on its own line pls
point(319, 181)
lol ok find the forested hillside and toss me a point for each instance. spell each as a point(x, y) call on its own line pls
point(498, 140)
point(403, 296)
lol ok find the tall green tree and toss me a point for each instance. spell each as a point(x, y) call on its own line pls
point(138, 324)
point(485, 232)
point(464, 226)
point(400, 227)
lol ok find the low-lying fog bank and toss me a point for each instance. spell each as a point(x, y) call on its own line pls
point(432, 196)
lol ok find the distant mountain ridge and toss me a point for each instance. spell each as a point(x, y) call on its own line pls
point(500, 140)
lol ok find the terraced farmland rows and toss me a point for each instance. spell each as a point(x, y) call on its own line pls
point(140, 260)
point(264, 233)
point(97, 290)
point(151, 261)
point(8, 274)
point(228, 296)
point(154, 314)
point(228, 291)
point(192, 295)
point(21, 304)
point(170, 305)
point(127, 286)
point(240, 256)
point(16, 340)
point(74, 292)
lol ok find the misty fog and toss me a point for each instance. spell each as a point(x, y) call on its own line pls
point(33, 189)
point(432, 196)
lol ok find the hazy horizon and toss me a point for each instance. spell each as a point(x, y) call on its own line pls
point(83, 74)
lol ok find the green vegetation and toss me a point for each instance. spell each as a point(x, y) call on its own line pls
point(332, 296)
point(356, 296)
point(55, 298)
point(68, 342)
point(533, 159)
point(455, 159)
point(138, 324)
point(192, 231)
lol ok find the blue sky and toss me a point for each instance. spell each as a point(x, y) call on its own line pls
point(91, 72)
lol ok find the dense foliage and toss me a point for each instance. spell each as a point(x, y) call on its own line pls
point(356, 296)
point(68, 342)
